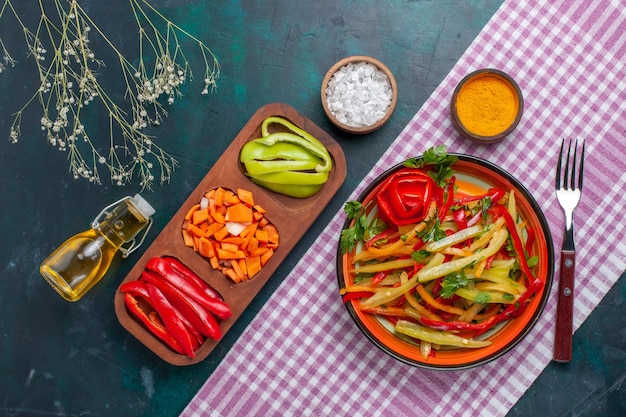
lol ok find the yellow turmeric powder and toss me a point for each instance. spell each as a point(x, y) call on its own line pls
point(487, 104)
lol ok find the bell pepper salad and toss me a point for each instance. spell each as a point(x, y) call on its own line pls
point(442, 267)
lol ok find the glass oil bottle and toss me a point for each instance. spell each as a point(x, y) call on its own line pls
point(82, 260)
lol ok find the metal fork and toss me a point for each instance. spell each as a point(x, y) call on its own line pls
point(568, 193)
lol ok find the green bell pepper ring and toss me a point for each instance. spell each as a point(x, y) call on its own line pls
point(280, 150)
point(294, 177)
point(255, 167)
point(292, 190)
point(295, 129)
point(279, 137)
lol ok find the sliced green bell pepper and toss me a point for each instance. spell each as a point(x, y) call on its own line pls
point(290, 162)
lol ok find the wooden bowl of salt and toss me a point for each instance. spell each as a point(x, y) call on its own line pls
point(359, 94)
point(486, 106)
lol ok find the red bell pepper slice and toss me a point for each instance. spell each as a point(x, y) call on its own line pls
point(136, 290)
point(198, 317)
point(382, 235)
point(166, 269)
point(171, 319)
point(499, 210)
point(459, 218)
point(449, 194)
point(182, 269)
point(379, 277)
point(349, 296)
point(495, 194)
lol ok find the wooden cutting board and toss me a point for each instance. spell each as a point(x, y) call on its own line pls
point(291, 216)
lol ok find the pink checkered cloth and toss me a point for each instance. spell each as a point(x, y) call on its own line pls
point(302, 355)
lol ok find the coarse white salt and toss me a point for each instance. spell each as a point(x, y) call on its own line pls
point(359, 94)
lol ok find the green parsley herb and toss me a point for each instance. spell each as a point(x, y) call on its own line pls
point(436, 157)
point(508, 297)
point(432, 232)
point(532, 261)
point(482, 298)
point(453, 282)
point(361, 229)
point(420, 255)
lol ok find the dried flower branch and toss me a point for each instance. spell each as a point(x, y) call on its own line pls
point(69, 84)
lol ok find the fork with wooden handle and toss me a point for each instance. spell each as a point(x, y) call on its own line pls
point(568, 193)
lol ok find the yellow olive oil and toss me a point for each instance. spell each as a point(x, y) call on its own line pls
point(82, 260)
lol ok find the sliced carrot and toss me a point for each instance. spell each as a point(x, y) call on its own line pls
point(229, 247)
point(260, 251)
point(224, 254)
point(219, 196)
point(245, 196)
point(238, 271)
point(253, 265)
point(187, 238)
point(272, 233)
point(200, 216)
point(218, 217)
point(253, 245)
point(191, 211)
point(239, 213)
point(243, 266)
point(231, 199)
point(231, 274)
point(212, 228)
point(249, 230)
point(266, 256)
point(239, 257)
point(221, 233)
point(195, 230)
point(205, 248)
point(235, 240)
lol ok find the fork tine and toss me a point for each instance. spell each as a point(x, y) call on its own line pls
point(582, 168)
point(558, 167)
point(566, 173)
point(573, 179)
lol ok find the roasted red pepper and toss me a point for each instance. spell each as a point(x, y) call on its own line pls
point(405, 197)
point(198, 317)
point(166, 269)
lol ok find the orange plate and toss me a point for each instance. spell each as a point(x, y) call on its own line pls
point(292, 217)
point(474, 176)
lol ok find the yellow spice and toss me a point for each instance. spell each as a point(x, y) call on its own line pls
point(487, 105)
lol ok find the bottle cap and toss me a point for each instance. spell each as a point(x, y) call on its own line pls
point(143, 206)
